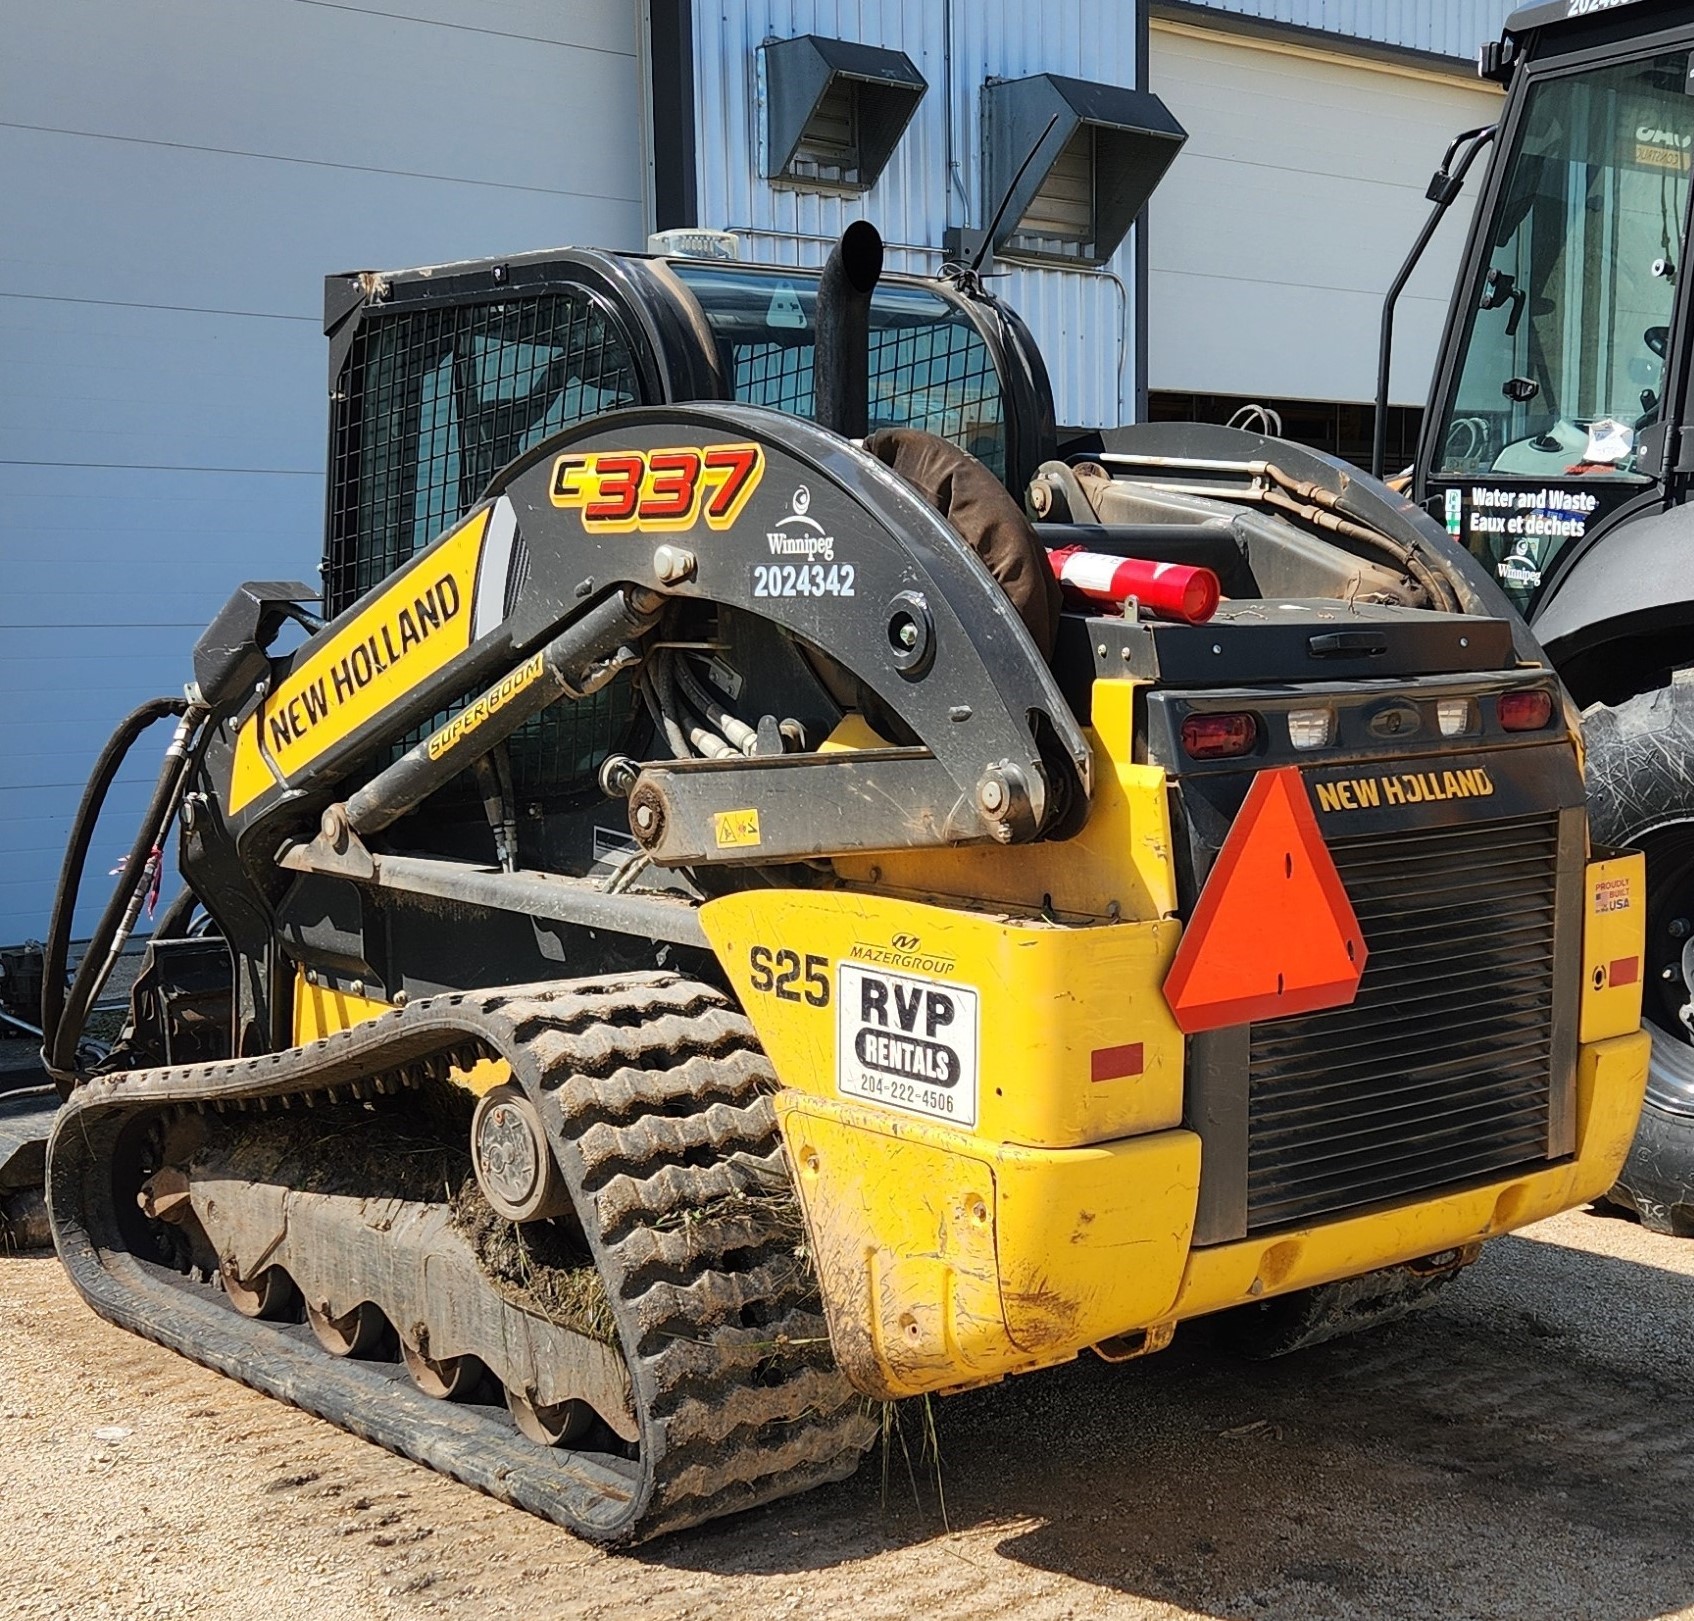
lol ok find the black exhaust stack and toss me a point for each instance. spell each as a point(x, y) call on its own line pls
point(841, 369)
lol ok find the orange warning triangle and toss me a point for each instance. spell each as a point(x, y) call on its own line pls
point(1273, 932)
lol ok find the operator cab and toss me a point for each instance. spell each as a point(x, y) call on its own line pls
point(1552, 397)
point(440, 377)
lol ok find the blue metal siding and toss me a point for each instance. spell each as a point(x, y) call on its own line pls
point(170, 203)
point(1444, 27)
point(1079, 317)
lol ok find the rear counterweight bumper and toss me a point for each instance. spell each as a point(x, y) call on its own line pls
point(947, 1261)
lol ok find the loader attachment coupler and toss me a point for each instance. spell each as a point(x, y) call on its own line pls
point(603, 533)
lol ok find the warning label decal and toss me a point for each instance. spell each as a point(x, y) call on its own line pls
point(907, 1043)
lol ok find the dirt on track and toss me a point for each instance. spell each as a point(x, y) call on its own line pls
point(1523, 1450)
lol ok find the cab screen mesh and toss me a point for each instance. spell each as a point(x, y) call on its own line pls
point(432, 402)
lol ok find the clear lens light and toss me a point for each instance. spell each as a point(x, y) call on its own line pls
point(1452, 715)
point(1311, 728)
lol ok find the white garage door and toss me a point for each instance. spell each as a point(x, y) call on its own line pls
point(1279, 228)
point(175, 181)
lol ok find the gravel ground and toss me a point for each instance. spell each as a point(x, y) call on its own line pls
point(1521, 1451)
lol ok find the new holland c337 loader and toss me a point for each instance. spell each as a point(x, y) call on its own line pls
point(689, 948)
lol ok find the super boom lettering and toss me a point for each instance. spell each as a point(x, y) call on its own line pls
point(490, 703)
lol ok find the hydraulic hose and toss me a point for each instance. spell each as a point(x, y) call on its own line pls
point(88, 811)
point(737, 733)
point(59, 1048)
point(1321, 507)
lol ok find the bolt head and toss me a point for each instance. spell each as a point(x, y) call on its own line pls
point(673, 564)
point(991, 795)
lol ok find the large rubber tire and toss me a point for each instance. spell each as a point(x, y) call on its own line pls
point(1641, 794)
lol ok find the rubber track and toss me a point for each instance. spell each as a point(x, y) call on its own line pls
point(656, 1097)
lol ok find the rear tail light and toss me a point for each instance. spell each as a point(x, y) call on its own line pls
point(1453, 716)
point(1311, 728)
point(1218, 737)
point(1526, 711)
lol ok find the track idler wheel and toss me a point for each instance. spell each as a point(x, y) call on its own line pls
point(515, 1167)
point(453, 1378)
point(268, 1294)
point(554, 1426)
point(355, 1333)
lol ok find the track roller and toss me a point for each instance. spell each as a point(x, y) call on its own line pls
point(453, 1378)
point(554, 1426)
point(354, 1333)
point(268, 1294)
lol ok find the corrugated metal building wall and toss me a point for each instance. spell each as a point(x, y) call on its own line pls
point(175, 181)
point(1442, 27)
point(1084, 320)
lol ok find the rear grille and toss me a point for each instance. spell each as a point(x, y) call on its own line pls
point(1440, 1071)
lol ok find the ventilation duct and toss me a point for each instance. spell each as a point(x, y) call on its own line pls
point(1105, 149)
point(834, 110)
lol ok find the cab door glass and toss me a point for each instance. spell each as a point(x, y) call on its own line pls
point(1564, 360)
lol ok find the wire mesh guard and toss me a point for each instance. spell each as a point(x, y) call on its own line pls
point(431, 404)
point(930, 367)
point(938, 377)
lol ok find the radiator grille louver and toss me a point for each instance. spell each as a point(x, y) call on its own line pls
point(1441, 1070)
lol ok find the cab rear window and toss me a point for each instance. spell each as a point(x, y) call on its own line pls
point(929, 367)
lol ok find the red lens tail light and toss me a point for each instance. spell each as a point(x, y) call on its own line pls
point(1526, 711)
point(1218, 737)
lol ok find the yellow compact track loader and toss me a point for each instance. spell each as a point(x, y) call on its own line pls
point(698, 942)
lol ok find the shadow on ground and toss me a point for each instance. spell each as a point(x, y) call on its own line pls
point(1524, 1449)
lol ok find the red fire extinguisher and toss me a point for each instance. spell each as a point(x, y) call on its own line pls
point(1170, 590)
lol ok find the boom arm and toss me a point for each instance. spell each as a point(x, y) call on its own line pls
point(555, 581)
